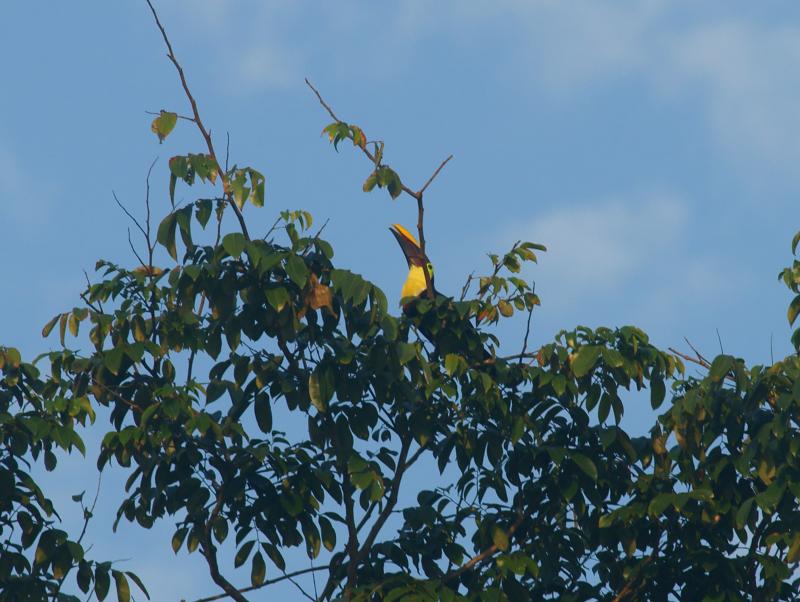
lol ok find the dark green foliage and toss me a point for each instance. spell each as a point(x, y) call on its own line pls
point(38, 417)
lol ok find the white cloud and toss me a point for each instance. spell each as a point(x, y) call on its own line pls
point(266, 65)
point(749, 77)
point(605, 245)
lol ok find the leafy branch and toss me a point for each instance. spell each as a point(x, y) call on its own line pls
point(226, 185)
point(383, 174)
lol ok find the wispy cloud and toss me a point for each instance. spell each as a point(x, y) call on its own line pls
point(750, 79)
point(740, 73)
point(604, 245)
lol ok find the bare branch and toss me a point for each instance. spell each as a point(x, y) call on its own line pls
point(483, 555)
point(128, 213)
point(527, 327)
point(209, 552)
point(435, 173)
point(130, 244)
point(251, 588)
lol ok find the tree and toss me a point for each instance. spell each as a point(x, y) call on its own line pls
point(541, 495)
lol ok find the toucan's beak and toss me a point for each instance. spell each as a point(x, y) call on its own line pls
point(409, 245)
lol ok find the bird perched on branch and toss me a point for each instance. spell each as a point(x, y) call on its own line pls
point(444, 322)
point(415, 284)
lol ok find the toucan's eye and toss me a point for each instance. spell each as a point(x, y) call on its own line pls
point(429, 267)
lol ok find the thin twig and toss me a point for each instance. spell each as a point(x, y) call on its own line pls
point(227, 149)
point(433, 176)
point(302, 591)
point(771, 352)
point(133, 406)
point(483, 555)
point(272, 229)
point(158, 113)
point(465, 288)
point(128, 213)
point(316, 236)
point(150, 244)
point(97, 308)
point(527, 326)
point(251, 588)
point(698, 359)
point(136, 254)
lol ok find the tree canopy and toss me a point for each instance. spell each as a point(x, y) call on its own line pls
point(258, 392)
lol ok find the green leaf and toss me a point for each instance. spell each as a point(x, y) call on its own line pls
point(234, 244)
point(406, 352)
point(394, 186)
point(606, 520)
point(585, 360)
point(274, 555)
point(277, 297)
point(743, 513)
point(370, 182)
point(48, 328)
point(658, 391)
point(12, 357)
point(102, 583)
point(297, 270)
point(164, 124)
point(319, 392)
point(263, 411)
point(166, 234)
point(135, 578)
point(257, 186)
point(793, 555)
point(177, 539)
point(500, 539)
point(794, 310)
point(612, 357)
point(123, 588)
point(585, 464)
point(659, 503)
point(795, 242)
point(258, 570)
point(454, 364)
point(720, 367)
point(243, 553)
point(328, 533)
point(84, 576)
point(113, 359)
point(505, 308)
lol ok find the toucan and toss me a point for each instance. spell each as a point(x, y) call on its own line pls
point(437, 324)
point(415, 285)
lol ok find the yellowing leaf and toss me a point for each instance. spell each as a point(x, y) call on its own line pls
point(164, 124)
point(319, 295)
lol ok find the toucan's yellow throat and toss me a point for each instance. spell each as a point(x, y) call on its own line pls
point(415, 285)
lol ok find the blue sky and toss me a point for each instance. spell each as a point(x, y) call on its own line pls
point(652, 146)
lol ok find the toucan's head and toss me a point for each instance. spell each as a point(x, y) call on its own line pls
point(415, 283)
